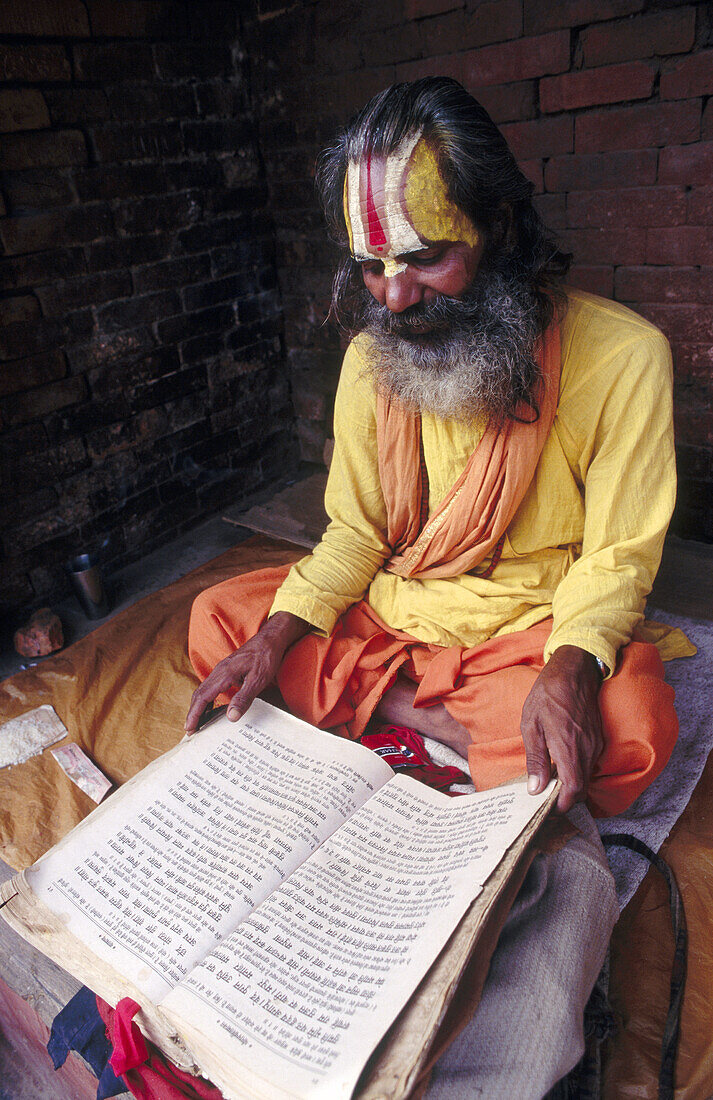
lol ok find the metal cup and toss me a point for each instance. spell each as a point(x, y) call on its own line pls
point(86, 578)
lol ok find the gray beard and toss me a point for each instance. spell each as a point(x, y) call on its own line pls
point(460, 358)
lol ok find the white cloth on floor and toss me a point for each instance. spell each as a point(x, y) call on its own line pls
point(528, 1030)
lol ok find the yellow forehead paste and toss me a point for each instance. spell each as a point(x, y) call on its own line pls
point(434, 216)
point(398, 205)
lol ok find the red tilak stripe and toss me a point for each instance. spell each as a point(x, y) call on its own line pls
point(377, 237)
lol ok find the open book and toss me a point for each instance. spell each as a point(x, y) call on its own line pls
point(273, 897)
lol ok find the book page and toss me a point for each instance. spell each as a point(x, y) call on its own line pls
point(189, 850)
point(307, 985)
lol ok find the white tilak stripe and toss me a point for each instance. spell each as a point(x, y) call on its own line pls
point(402, 235)
point(358, 236)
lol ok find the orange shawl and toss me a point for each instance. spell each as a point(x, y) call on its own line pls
point(469, 522)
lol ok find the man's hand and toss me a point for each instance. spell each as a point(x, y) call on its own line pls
point(561, 724)
point(249, 670)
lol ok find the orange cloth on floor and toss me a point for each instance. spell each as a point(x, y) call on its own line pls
point(336, 682)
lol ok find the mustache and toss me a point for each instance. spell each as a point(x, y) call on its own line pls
point(426, 319)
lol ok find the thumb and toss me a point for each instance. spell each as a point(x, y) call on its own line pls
point(539, 766)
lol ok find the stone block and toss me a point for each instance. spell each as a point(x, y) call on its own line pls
point(41, 634)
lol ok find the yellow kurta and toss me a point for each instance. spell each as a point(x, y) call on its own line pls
point(586, 541)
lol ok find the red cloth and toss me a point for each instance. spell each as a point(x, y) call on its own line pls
point(154, 1077)
point(128, 1042)
point(403, 749)
point(336, 683)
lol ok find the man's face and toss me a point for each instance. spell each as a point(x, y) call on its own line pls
point(412, 241)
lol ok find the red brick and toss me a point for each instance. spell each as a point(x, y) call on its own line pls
point(43, 149)
point(17, 272)
point(493, 21)
point(107, 62)
point(691, 323)
point(31, 405)
point(17, 309)
point(687, 164)
point(661, 32)
point(700, 206)
point(533, 170)
point(417, 9)
point(596, 279)
point(24, 374)
point(146, 142)
point(34, 63)
point(540, 138)
point(70, 106)
point(611, 84)
point(451, 64)
point(61, 297)
point(135, 18)
point(686, 244)
point(545, 16)
point(605, 246)
point(551, 209)
point(390, 49)
point(591, 172)
point(179, 61)
point(526, 57)
point(51, 17)
point(508, 102)
point(631, 206)
point(659, 284)
point(707, 124)
point(40, 231)
point(693, 359)
point(22, 109)
point(691, 77)
point(638, 127)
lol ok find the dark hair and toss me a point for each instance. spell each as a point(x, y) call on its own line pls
point(481, 174)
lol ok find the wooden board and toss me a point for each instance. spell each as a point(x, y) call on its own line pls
point(295, 513)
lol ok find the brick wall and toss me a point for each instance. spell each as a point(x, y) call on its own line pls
point(142, 378)
point(605, 102)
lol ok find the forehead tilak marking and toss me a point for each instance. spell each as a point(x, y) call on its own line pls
point(386, 232)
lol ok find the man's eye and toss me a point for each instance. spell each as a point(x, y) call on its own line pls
point(425, 259)
point(372, 267)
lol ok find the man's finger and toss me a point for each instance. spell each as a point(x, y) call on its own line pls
point(539, 767)
point(571, 772)
point(220, 680)
point(251, 687)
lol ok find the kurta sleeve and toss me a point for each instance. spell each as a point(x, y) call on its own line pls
point(321, 587)
point(628, 473)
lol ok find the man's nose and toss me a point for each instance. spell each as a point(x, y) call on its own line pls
point(402, 290)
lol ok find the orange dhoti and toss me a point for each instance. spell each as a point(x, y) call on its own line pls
point(336, 682)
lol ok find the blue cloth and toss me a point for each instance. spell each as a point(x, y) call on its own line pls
point(80, 1027)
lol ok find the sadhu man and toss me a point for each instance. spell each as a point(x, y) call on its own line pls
point(503, 477)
